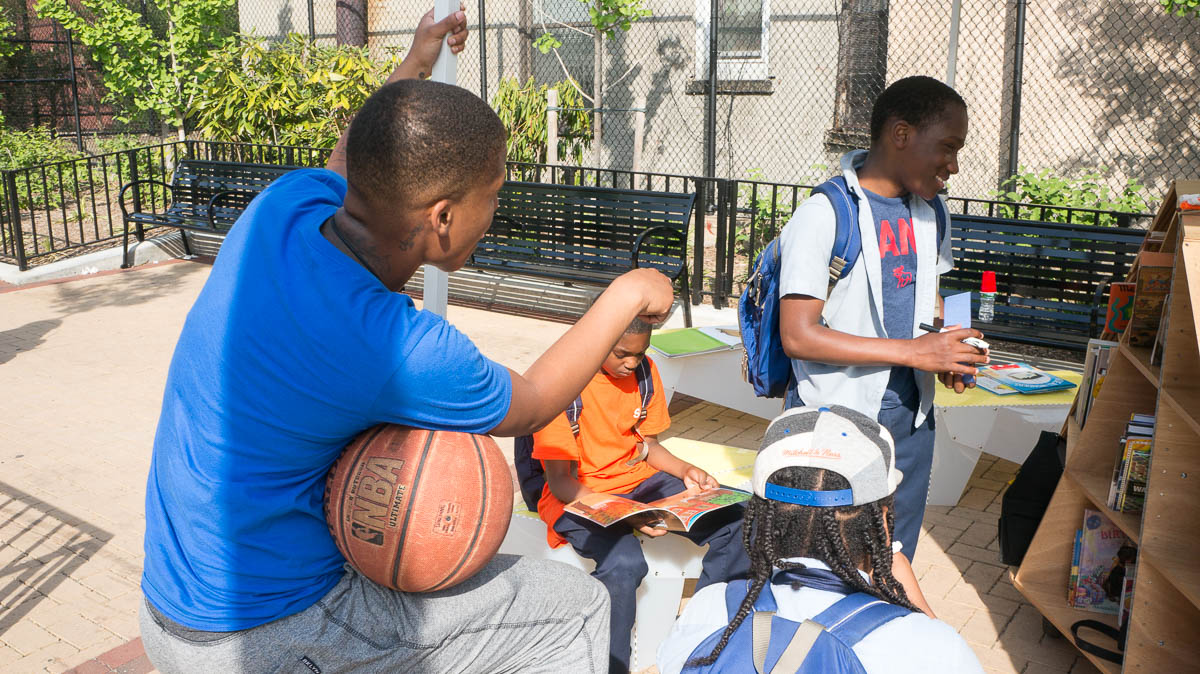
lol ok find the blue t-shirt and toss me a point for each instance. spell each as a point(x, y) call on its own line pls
point(898, 262)
point(290, 350)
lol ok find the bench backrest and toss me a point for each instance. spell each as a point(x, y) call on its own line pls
point(1046, 273)
point(587, 234)
point(197, 181)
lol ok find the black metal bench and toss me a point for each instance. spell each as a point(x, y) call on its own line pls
point(203, 196)
point(587, 235)
point(1052, 279)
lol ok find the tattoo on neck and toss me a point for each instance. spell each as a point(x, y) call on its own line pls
point(408, 241)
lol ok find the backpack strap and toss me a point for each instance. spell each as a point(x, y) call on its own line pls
point(645, 382)
point(794, 653)
point(573, 412)
point(857, 615)
point(943, 221)
point(847, 240)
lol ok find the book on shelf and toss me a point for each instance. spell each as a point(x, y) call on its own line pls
point(1120, 306)
point(1074, 579)
point(1126, 601)
point(1022, 378)
point(1095, 367)
point(1127, 490)
point(1153, 284)
point(676, 513)
point(1104, 552)
point(695, 341)
point(1160, 340)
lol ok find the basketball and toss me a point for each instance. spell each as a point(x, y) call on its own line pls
point(418, 510)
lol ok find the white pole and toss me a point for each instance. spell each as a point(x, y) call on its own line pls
point(952, 50)
point(639, 131)
point(437, 282)
point(552, 126)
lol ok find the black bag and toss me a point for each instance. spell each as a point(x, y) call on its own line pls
point(1025, 501)
point(1109, 631)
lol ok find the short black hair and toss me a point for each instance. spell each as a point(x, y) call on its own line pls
point(416, 141)
point(639, 327)
point(918, 100)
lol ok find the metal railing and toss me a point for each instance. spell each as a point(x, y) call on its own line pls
point(58, 209)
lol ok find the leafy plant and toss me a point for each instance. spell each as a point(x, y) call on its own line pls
point(33, 148)
point(293, 92)
point(147, 69)
point(606, 17)
point(522, 109)
point(1182, 7)
point(1087, 190)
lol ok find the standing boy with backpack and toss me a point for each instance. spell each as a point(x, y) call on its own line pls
point(856, 340)
point(606, 442)
point(821, 597)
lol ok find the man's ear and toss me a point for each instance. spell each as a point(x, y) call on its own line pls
point(902, 133)
point(441, 217)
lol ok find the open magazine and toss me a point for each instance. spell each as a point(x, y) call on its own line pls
point(1019, 377)
point(678, 512)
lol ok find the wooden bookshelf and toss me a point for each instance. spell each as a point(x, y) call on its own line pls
point(1164, 629)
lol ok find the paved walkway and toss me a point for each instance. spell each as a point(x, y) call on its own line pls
point(82, 367)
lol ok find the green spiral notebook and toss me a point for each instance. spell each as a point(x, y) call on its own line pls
point(694, 341)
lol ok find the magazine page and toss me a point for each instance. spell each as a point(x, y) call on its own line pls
point(687, 507)
point(1025, 378)
point(606, 509)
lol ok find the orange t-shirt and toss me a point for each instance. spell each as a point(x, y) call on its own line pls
point(606, 441)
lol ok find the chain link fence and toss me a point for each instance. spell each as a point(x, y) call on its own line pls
point(1103, 87)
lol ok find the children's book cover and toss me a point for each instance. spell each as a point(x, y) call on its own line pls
point(1100, 555)
point(678, 513)
point(1132, 495)
point(1025, 378)
point(1120, 306)
point(1153, 284)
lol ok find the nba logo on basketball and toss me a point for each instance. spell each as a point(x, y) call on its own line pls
point(377, 498)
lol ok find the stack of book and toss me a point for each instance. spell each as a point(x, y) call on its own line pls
point(1012, 378)
point(1127, 492)
point(1101, 566)
point(1095, 368)
point(1153, 284)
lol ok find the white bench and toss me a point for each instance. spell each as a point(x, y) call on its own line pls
point(671, 559)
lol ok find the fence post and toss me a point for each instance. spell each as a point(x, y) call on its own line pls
point(699, 214)
point(312, 24)
point(14, 217)
point(552, 126)
point(137, 192)
point(710, 102)
point(639, 132)
point(483, 50)
point(720, 293)
point(74, 90)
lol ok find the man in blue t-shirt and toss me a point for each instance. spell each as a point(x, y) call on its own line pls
point(296, 344)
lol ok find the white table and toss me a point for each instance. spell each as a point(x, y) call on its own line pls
point(967, 425)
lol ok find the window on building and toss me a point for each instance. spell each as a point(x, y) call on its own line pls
point(743, 28)
point(577, 48)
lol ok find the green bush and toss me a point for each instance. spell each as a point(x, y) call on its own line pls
point(35, 147)
point(1087, 190)
point(522, 109)
point(293, 92)
point(1182, 7)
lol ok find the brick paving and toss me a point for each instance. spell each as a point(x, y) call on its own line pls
point(83, 364)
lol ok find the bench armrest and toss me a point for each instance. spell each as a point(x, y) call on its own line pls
point(637, 243)
point(121, 198)
point(1098, 297)
point(212, 203)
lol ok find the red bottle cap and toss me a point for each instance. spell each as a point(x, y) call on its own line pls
point(989, 282)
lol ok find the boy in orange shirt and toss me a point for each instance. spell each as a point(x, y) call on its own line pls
point(612, 454)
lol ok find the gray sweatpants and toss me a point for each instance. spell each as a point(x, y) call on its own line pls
point(515, 615)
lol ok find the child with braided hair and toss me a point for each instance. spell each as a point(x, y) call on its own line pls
point(818, 534)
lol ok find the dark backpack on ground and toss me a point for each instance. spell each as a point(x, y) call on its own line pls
point(1026, 499)
point(766, 367)
point(531, 475)
point(824, 644)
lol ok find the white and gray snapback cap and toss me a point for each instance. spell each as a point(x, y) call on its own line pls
point(834, 438)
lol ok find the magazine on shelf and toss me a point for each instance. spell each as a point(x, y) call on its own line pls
point(1153, 284)
point(1131, 495)
point(1100, 555)
point(1024, 378)
point(1074, 579)
point(1126, 601)
point(678, 512)
point(695, 341)
point(1120, 306)
point(1095, 367)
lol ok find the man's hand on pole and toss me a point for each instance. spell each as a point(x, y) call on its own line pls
point(427, 43)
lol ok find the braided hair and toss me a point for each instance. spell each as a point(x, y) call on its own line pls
point(847, 538)
point(917, 100)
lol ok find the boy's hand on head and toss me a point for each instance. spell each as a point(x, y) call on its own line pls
point(427, 42)
point(944, 352)
point(697, 480)
point(652, 289)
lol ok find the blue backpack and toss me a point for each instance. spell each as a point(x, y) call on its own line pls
point(531, 474)
point(765, 366)
point(823, 644)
